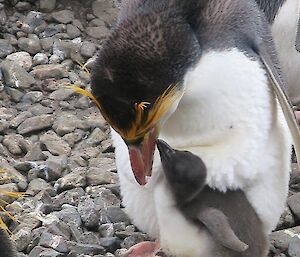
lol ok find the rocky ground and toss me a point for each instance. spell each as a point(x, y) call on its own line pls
point(55, 146)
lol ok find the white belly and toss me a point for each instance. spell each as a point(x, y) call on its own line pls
point(284, 31)
point(229, 117)
point(178, 236)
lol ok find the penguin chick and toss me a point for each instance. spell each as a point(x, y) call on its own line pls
point(7, 248)
point(228, 217)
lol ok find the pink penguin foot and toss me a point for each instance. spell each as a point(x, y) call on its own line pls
point(144, 249)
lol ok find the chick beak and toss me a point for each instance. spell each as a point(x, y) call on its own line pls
point(165, 151)
point(141, 156)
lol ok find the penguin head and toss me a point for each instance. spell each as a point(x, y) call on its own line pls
point(137, 79)
point(184, 171)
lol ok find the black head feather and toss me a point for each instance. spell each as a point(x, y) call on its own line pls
point(145, 54)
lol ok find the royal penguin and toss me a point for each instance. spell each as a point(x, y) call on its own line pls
point(202, 75)
point(227, 219)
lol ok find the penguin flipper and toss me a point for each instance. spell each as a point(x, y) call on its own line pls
point(217, 224)
point(287, 107)
point(7, 248)
point(297, 43)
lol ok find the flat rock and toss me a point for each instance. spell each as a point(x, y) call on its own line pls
point(62, 94)
point(32, 20)
point(21, 58)
point(56, 71)
point(97, 177)
point(30, 45)
point(16, 76)
point(47, 5)
point(88, 212)
point(5, 48)
point(78, 248)
point(294, 247)
point(55, 144)
point(76, 178)
point(64, 16)
point(40, 59)
point(97, 32)
point(35, 124)
point(55, 242)
point(281, 239)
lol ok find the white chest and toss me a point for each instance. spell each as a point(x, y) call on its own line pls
point(177, 235)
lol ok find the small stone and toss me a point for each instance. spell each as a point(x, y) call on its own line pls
point(105, 164)
point(55, 144)
point(16, 95)
point(47, 5)
point(133, 240)
point(37, 185)
point(88, 49)
point(15, 122)
point(21, 58)
point(32, 21)
point(25, 166)
point(55, 165)
point(294, 247)
point(4, 125)
point(281, 239)
point(107, 230)
point(35, 153)
point(23, 6)
point(33, 97)
point(22, 238)
point(40, 58)
point(294, 204)
point(16, 76)
point(76, 178)
point(9, 187)
point(286, 220)
point(89, 238)
point(56, 71)
point(71, 197)
point(51, 253)
point(111, 244)
point(55, 242)
point(29, 45)
point(97, 177)
point(64, 16)
point(62, 94)
point(35, 124)
point(78, 248)
point(116, 214)
point(97, 32)
point(70, 215)
point(88, 212)
point(12, 142)
point(5, 48)
point(39, 109)
point(73, 31)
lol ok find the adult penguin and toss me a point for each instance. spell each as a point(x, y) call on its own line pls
point(172, 68)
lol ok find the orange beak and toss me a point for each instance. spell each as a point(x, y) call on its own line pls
point(141, 156)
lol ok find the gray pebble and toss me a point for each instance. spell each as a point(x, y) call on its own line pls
point(5, 48)
point(55, 242)
point(88, 212)
point(55, 144)
point(21, 58)
point(294, 247)
point(40, 58)
point(35, 124)
point(294, 204)
point(16, 76)
point(47, 5)
point(64, 16)
point(76, 178)
point(29, 45)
